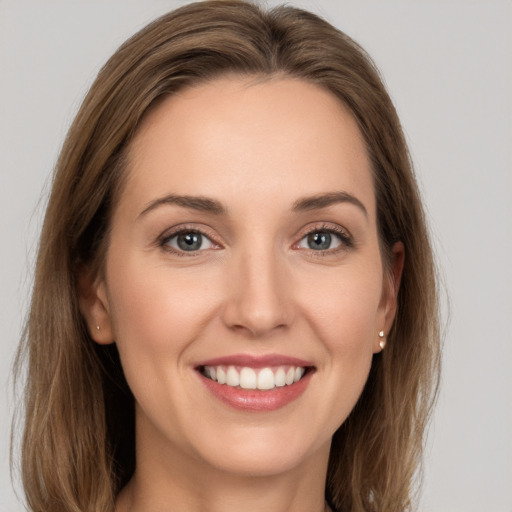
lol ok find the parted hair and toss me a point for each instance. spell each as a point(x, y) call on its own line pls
point(78, 447)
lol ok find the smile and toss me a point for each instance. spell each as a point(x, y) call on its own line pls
point(256, 382)
point(254, 378)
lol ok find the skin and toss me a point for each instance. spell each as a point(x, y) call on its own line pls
point(255, 287)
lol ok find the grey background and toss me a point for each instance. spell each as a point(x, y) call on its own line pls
point(448, 67)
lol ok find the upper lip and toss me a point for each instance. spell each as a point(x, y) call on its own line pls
point(255, 361)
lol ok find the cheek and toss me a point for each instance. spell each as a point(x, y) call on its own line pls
point(157, 314)
point(346, 312)
point(156, 307)
point(340, 309)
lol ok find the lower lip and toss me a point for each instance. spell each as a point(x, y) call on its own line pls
point(256, 400)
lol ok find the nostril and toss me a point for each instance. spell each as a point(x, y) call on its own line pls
point(257, 299)
point(257, 329)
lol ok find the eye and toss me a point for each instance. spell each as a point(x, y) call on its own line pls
point(320, 241)
point(188, 241)
point(324, 240)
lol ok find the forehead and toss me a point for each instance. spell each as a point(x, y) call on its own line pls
point(280, 137)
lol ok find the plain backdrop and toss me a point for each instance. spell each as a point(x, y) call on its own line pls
point(448, 67)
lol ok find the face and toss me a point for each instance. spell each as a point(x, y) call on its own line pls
point(243, 282)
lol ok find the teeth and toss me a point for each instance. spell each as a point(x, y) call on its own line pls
point(221, 375)
point(280, 378)
point(266, 379)
point(250, 378)
point(299, 372)
point(232, 377)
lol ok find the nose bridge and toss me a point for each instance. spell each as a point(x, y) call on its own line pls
point(258, 299)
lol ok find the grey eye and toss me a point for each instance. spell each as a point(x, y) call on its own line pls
point(320, 241)
point(189, 241)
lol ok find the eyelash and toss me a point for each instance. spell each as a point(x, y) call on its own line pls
point(164, 240)
point(346, 240)
point(344, 237)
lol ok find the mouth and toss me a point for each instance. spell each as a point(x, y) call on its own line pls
point(247, 377)
point(256, 383)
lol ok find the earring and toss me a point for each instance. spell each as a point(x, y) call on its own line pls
point(97, 328)
point(382, 342)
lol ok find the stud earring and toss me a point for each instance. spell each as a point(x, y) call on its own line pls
point(97, 328)
point(382, 342)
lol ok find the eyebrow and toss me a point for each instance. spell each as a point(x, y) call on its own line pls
point(199, 203)
point(320, 201)
point(207, 204)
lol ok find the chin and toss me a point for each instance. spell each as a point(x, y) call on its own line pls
point(263, 464)
point(261, 451)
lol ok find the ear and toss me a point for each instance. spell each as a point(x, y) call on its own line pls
point(94, 305)
point(390, 288)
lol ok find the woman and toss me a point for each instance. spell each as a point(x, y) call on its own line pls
point(235, 300)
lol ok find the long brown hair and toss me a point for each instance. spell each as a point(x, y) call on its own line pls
point(78, 442)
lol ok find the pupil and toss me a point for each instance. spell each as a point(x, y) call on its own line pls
point(319, 241)
point(189, 241)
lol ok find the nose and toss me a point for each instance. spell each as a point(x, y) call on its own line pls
point(259, 294)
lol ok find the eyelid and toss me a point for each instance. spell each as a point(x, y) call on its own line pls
point(163, 239)
point(346, 238)
point(342, 233)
